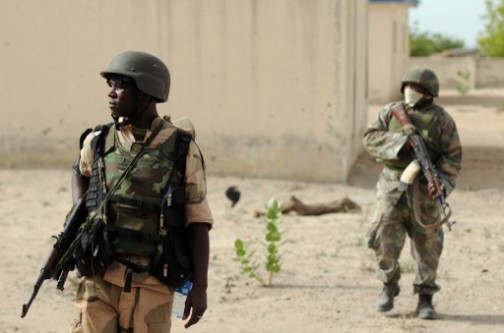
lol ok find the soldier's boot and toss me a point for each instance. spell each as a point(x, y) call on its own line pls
point(425, 309)
point(386, 298)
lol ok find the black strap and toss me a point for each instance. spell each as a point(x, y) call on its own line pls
point(169, 215)
point(132, 267)
point(184, 140)
point(83, 137)
point(98, 142)
point(127, 280)
point(95, 192)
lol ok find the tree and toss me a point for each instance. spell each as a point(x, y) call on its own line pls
point(491, 41)
point(423, 44)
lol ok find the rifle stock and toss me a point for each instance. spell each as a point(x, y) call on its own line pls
point(52, 267)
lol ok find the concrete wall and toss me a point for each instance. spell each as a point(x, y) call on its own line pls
point(388, 49)
point(484, 73)
point(446, 69)
point(275, 88)
point(489, 73)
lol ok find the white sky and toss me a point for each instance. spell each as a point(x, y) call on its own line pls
point(460, 19)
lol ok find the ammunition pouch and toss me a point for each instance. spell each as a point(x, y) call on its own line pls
point(93, 255)
point(173, 265)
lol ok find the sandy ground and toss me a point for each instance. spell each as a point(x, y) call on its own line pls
point(327, 281)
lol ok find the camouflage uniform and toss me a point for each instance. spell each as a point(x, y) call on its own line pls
point(103, 304)
point(396, 212)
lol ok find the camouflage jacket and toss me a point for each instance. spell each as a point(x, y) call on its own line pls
point(386, 146)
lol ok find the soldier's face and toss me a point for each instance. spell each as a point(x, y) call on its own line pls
point(122, 97)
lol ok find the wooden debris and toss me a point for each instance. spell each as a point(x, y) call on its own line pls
point(295, 205)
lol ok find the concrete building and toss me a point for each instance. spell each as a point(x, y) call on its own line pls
point(388, 47)
point(274, 88)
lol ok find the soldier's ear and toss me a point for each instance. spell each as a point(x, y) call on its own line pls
point(144, 98)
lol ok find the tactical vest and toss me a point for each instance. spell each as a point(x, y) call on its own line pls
point(427, 124)
point(145, 215)
point(136, 204)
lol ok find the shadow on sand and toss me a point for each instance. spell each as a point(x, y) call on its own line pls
point(477, 319)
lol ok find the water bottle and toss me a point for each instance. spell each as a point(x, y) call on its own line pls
point(179, 298)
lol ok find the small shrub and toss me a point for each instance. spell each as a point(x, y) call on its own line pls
point(273, 236)
point(463, 87)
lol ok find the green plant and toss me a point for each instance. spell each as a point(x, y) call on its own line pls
point(463, 87)
point(272, 237)
point(424, 43)
point(248, 265)
point(491, 40)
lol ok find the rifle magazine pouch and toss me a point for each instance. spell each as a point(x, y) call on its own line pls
point(173, 266)
point(93, 254)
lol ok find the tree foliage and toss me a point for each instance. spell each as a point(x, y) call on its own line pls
point(491, 41)
point(424, 43)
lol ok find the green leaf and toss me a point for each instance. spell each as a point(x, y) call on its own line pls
point(270, 226)
point(273, 209)
point(273, 267)
point(273, 237)
point(272, 248)
point(491, 40)
point(239, 244)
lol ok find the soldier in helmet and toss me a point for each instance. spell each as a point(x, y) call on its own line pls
point(398, 210)
point(143, 180)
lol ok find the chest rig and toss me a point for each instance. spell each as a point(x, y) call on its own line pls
point(144, 208)
point(426, 122)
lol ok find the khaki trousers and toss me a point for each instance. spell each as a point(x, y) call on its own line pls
point(106, 308)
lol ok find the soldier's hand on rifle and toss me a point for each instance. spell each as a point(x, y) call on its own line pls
point(408, 129)
point(435, 188)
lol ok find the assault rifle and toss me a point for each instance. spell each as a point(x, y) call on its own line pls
point(423, 162)
point(53, 268)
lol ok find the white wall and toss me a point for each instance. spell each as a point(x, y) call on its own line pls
point(274, 88)
point(446, 69)
point(484, 73)
point(388, 49)
point(489, 73)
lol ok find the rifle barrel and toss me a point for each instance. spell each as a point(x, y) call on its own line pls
point(36, 288)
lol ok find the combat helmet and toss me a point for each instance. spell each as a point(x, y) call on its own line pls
point(150, 73)
point(423, 77)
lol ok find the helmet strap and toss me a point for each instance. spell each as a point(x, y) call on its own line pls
point(423, 102)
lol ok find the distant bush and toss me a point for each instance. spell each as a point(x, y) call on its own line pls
point(424, 44)
point(491, 41)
